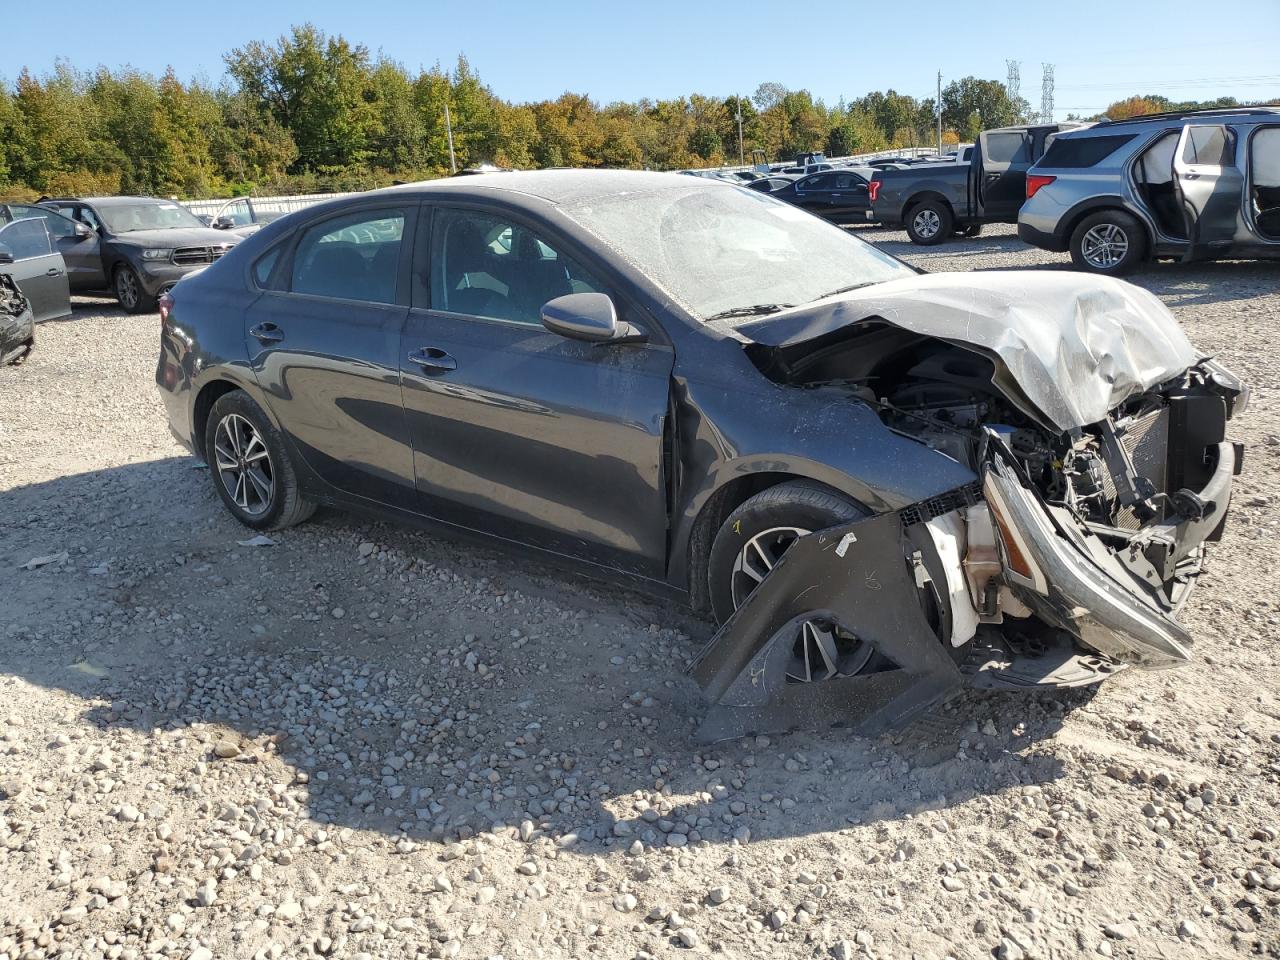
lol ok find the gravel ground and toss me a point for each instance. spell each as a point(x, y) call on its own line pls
point(365, 741)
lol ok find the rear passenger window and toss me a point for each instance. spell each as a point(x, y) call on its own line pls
point(1008, 147)
point(1210, 146)
point(356, 257)
point(265, 264)
point(1074, 153)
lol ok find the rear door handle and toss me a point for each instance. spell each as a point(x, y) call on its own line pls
point(267, 333)
point(433, 360)
point(53, 272)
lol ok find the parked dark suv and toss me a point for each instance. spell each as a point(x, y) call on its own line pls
point(136, 247)
point(1196, 186)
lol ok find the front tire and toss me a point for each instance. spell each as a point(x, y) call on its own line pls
point(930, 222)
point(129, 291)
point(1111, 243)
point(250, 466)
point(750, 542)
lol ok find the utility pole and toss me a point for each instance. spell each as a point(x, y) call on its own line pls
point(938, 108)
point(448, 127)
point(742, 159)
point(1046, 94)
point(1014, 83)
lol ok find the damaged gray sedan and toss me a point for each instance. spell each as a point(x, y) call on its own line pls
point(883, 485)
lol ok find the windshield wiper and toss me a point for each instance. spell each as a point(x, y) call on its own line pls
point(751, 311)
point(848, 289)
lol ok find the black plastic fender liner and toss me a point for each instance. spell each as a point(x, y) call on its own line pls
point(855, 576)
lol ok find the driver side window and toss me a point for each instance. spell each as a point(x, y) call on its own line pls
point(486, 266)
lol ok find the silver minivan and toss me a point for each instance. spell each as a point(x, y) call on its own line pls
point(1191, 186)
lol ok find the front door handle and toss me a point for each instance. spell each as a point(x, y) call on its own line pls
point(267, 333)
point(53, 272)
point(433, 360)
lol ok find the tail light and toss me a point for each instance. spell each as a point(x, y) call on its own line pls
point(1035, 181)
point(166, 304)
point(873, 190)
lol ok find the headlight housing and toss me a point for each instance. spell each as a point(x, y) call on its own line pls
point(157, 253)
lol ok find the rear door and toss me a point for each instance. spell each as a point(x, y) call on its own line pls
point(324, 343)
point(1209, 188)
point(849, 198)
point(814, 193)
point(1004, 156)
point(37, 268)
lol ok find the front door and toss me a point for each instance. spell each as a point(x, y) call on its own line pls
point(1002, 173)
point(517, 431)
point(37, 268)
point(82, 251)
point(79, 245)
point(1209, 188)
point(324, 344)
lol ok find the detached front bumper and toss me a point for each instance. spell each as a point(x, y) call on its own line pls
point(1117, 603)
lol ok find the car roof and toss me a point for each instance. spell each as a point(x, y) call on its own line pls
point(557, 186)
point(1236, 114)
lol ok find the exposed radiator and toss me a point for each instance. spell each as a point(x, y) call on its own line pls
point(1147, 441)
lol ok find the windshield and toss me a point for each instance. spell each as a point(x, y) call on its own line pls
point(146, 215)
point(724, 250)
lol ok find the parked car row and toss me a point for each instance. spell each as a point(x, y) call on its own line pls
point(1190, 185)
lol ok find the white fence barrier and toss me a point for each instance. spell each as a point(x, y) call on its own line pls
point(264, 204)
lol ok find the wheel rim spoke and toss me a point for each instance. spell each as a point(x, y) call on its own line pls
point(243, 462)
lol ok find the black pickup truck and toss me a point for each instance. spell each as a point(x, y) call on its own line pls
point(936, 200)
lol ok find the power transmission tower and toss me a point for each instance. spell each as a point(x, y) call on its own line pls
point(1014, 83)
point(1046, 94)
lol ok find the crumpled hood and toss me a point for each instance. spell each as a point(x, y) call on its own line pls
point(1072, 346)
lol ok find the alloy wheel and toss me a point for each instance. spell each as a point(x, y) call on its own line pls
point(244, 464)
point(126, 288)
point(926, 224)
point(821, 650)
point(1104, 246)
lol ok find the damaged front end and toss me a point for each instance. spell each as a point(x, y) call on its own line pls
point(1065, 560)
point(17, 327)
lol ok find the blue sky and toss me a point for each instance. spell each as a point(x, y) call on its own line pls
point(535, 50)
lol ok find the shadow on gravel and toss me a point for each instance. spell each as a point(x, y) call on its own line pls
point(460, 688)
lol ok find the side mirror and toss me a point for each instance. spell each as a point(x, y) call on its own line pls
point(83, 229)
point(6, 255)
point(587, 316)
point(222, 223)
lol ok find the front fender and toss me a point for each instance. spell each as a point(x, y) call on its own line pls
point(823, 436)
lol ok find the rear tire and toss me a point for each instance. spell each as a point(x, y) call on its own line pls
point(1111, 243)
point(250, 466)
point(930, 222)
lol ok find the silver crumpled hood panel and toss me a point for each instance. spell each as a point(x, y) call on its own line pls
point(1070, 345)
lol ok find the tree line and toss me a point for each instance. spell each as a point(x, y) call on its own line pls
point(312, 112)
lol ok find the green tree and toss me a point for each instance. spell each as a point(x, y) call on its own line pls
point(970, 106)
